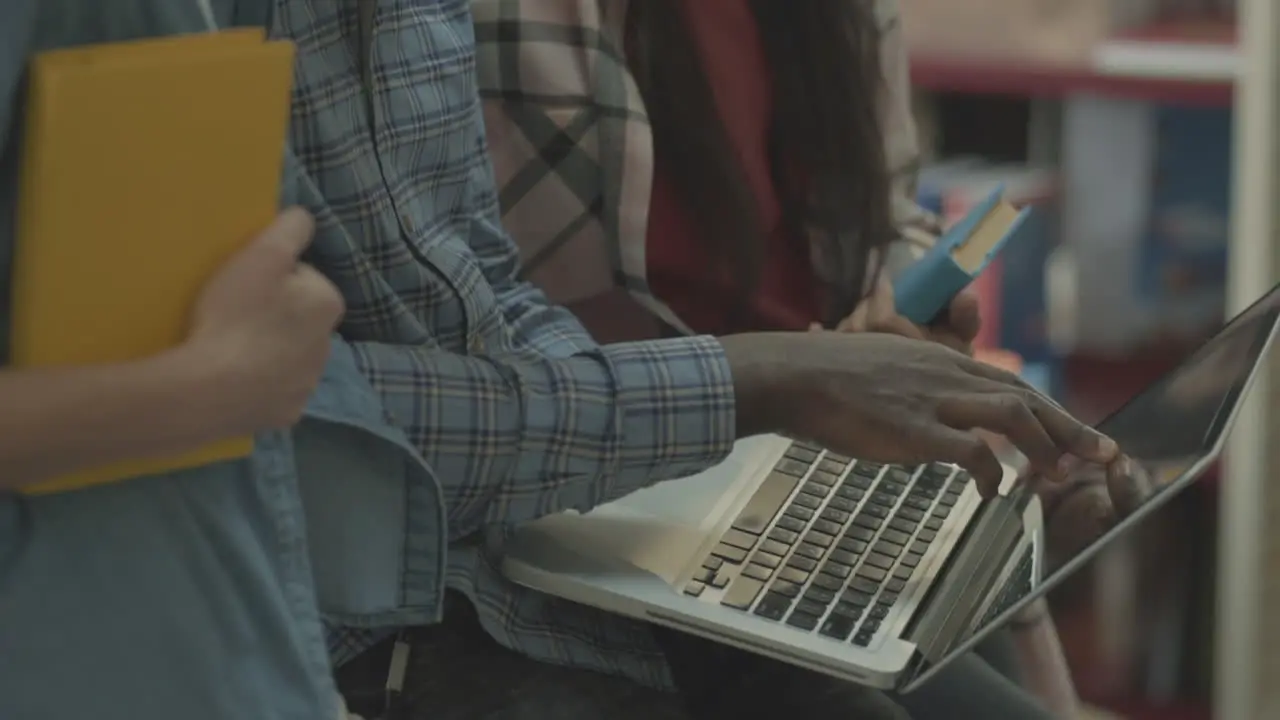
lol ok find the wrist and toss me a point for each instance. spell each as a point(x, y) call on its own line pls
point(759, 380)
point(206, 383)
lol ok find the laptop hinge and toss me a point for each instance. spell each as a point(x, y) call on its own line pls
point(969, 576)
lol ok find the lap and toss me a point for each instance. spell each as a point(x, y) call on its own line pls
point(457, 672)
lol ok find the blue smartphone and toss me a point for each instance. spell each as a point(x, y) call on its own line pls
point(925, 288)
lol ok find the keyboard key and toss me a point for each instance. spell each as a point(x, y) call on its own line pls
point(703, 575)
point(795, 575)
point(801, 562)
point(892, 549)
point(768, 560)
point(867, 520)
point(919, 547)
point(927, 535)
point(873, 574)
point(917, 503)
point(832, 466)
point(883, 498)
point(800, 513)
point(694, 589)
point(824, 478)
point(883, 562)
point(813, 552)
point(863, 585)
point(811, 607)
point(721, 581)
point(835, 515)
point(902, 572)
point(784, 536)
point(910, 560)
point(826, 526)
point(786, 522)
point(815, 489)
point(729, 554)
point(759, 572)
point(860, 533)
point(843, 504)
point(739, 539)
point(822, 596)
point(765, 503)
point(828, 582)
point(896, 537)
point(867, 469)
point(807, 501)
point(791, 467)
point(820, 539)
point(801, 620)
point(851, 545)
point(801, 454)
point(837, 570)
point(842, 556)
point(910, 514)
point(902, 524)
point(863, 638)
point(773, 547)
point(785, 589)
point(851, 492)
point(773, 606)
point(844, 609)
point(871, 625)
point(712, 563)
point(876, 511)
point(837, 627)
point(742, 593)
point(878, 612)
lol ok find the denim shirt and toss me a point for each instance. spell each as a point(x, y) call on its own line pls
point(200, 594)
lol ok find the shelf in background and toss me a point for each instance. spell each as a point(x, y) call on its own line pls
point(1005, 76)
point(1187, 61)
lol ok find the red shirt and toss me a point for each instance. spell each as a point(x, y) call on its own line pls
point(680, 269)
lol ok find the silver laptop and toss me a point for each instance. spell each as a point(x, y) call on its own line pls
point(876, 574)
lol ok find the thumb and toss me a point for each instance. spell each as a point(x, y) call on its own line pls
point(882, 313)
point(280, 246)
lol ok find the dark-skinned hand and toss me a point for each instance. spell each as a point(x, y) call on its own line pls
point(956, 327)
point(885, 398)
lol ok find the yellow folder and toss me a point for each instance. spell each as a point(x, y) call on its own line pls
point(145, 166)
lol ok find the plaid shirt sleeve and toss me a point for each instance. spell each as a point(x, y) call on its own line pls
point(549, 420)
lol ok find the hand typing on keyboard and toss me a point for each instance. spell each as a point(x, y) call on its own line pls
point(897, 400)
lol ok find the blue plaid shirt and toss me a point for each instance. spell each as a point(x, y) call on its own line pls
point(517, 410)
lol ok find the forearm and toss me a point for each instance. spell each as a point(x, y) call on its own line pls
point(517, 437)
point(54, 421)
point(1044, 667)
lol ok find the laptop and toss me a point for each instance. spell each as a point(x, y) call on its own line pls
point(877, 574)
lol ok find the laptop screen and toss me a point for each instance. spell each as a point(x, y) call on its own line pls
point(1172, 429)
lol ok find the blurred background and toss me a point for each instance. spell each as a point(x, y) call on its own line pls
point(1147, 130)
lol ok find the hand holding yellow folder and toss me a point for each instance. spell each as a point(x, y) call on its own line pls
point(123, 143)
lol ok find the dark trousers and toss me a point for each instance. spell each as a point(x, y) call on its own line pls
point(457, 672)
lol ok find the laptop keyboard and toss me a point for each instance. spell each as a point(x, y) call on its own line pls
point(834, 557)
point(1019, 586)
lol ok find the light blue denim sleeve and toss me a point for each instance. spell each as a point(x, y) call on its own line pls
point(194, 595)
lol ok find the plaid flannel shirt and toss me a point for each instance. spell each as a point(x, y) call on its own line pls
point(517, 410)
point(573, 151)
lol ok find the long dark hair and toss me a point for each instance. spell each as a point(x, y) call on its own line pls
point(826, 141)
